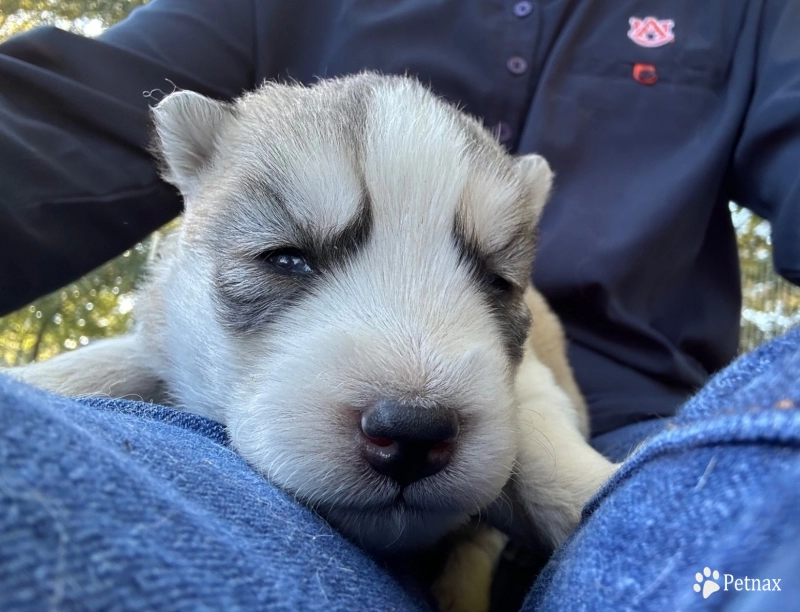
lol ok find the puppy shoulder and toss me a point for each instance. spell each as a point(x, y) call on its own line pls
point(548, 344)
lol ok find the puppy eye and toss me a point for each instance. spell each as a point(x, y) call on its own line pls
point(498, 283)
point(287, 261)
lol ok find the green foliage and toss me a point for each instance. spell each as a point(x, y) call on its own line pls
point(770, 304)
point(19, 15)
point(97, 306)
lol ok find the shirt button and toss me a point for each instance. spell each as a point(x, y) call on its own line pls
point(502, 131)
point(645, 74)
point(516, 65)
point(523, 9)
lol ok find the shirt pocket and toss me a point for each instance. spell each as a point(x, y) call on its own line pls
point(696, 53)
point(690, 70)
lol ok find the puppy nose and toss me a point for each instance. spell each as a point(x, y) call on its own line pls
point(408, 442)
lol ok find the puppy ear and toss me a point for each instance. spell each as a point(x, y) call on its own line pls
point(536, 174)
point(187, 128)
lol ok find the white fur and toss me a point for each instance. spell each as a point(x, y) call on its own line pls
point(404, 319)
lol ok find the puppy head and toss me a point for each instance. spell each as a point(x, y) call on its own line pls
point(347, 295)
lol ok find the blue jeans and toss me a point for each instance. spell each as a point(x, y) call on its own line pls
point(117, 505)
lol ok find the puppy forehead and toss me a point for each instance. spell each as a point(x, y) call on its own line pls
point(327, 149)
point(427, 164)
point(415, 162)
point(302, 152)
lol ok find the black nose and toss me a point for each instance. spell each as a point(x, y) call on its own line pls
point(408, 442)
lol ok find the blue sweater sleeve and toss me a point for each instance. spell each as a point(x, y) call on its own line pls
point(77, 184)
point(767, 158)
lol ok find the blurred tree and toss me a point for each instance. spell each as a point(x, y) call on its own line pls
point(19, 15)
point(770, 304)
point(97, 306)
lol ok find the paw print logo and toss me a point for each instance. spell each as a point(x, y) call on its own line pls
point(707, 580)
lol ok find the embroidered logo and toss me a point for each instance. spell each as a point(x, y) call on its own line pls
point(651, 32)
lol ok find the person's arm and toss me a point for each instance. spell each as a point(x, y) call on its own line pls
point(77, 184)
point(767, 159)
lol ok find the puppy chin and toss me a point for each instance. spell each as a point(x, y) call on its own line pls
point(394, 529)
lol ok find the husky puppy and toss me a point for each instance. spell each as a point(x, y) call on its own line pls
point(349, 294)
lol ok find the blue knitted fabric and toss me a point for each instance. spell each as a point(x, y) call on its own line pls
point(717, 488)
point(116, 505)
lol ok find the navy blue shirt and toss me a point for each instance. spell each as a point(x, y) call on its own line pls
point(654, 115)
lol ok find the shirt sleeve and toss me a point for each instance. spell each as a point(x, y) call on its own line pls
point(767, 158)
point(77, 184)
